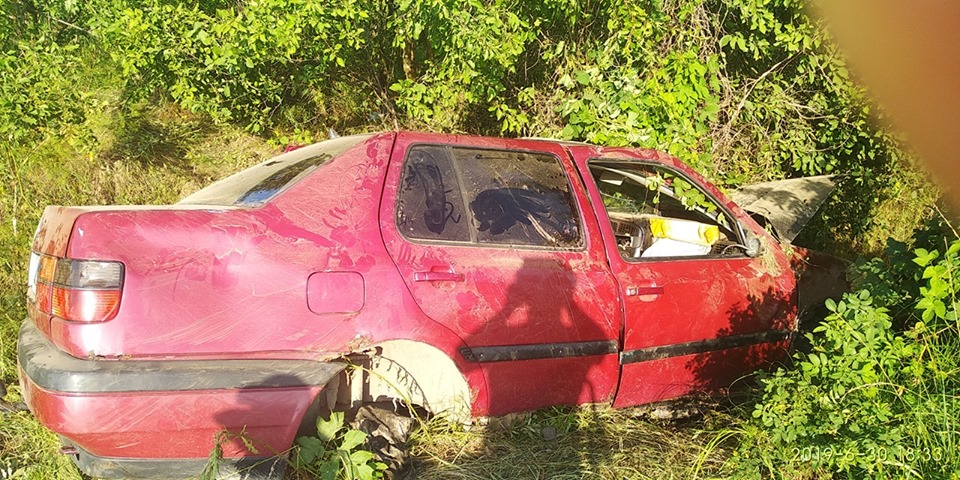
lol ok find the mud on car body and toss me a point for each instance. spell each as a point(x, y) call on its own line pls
point(469, 276)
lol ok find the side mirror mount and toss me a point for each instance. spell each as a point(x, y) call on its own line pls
point(753, 247)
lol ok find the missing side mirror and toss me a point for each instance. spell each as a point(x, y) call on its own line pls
point(753, 247)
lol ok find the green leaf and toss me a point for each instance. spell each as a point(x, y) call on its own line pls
point(939, 308)
point(360, 457)
point(352, 439)
point(364, 472)
point(830, 304)
point(924, 257)
point(582, 78)
point(327, 429)
point(330, 469)
point(310, 449)
point(954, 248)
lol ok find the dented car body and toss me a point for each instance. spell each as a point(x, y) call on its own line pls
point(470, 276)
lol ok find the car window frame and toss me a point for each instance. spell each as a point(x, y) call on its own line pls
point(738, 228)
point(577, 205)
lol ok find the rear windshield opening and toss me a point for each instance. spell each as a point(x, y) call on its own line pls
point(260, 183)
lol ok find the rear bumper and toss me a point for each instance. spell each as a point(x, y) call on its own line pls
point(143, 412)
point(247, 468)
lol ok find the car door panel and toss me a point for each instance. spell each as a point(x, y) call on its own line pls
point(693, 323)
point(541, 323)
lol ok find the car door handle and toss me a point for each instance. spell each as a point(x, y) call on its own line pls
point(641, 291)
point(438, 275)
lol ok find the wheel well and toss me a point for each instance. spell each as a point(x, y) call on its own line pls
point(401, 371)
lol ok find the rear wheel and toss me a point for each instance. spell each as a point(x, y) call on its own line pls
point(387, 392)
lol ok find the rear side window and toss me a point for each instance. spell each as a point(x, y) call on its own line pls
point(258, 184)
point(430, 206)
point(486, 196)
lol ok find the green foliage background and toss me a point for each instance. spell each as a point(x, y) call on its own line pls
point(122, 101)
point(743, 90)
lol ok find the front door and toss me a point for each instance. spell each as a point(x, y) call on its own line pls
point(699, 313)
point(490, 239)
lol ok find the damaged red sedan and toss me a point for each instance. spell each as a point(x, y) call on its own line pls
point(468, 276)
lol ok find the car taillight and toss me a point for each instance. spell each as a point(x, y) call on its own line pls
point(76, 290)
point(43, 284)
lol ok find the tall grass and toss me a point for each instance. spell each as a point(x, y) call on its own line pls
point(28, 451)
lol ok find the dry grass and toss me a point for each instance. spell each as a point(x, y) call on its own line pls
point(591, 442)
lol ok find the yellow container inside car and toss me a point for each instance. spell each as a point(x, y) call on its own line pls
point(684, 230)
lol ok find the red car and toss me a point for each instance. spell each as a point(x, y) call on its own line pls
point(469, 276)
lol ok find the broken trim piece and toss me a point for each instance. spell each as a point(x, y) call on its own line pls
point(539, 351)
point(238, 468)
point(703, 346)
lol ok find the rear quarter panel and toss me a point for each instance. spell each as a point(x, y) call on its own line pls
point(232, 283)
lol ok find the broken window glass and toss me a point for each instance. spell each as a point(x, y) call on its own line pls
point(519, 198)
point(655, 212)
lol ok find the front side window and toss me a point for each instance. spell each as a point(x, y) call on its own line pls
point(656, 212)
point(486, 196)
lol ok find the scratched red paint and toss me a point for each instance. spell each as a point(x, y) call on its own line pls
point(228, 282)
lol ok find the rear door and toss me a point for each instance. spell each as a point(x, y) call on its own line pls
point(490, 238)
point(698, 311)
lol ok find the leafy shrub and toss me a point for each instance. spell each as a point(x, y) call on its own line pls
point(457, 56)
point(870, 400)
point(35, 95)
point(239, 63)
point(728, 86)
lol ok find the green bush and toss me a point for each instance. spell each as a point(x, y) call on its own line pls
point(241, 63)
point(878, 396)
point(741, 88)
